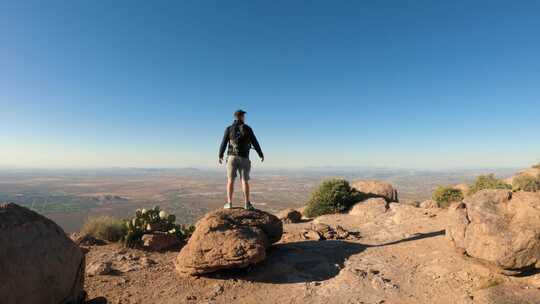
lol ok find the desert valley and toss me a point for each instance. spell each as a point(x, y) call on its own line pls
point(383, 249)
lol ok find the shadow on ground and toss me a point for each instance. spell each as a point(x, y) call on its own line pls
point(415, 237)
point(306, 261)
point(98, 300)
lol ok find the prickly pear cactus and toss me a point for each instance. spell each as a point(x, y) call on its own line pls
point(152, 220)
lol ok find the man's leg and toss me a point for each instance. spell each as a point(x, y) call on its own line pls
point(231, 176)
point(245, 170)
point(245, 188)
point(230, 190)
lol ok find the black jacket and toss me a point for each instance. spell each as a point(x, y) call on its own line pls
point(244, 143)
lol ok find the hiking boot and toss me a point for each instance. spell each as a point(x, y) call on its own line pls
point(227, 206)
point(249, 206)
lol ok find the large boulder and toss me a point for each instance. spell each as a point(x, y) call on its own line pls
point(498, 226)
point(228, 238)
point(38, 262)
point(377, 189)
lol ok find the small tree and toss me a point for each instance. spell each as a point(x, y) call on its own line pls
point(446, 195)
point(526, 183)
point(488, 182)
point(332, 196)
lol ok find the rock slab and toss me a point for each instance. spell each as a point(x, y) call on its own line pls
point(38, 262)
point(498, 226)
point(228, 238)
point(377, 189)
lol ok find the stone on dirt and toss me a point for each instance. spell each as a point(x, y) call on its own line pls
point(159, 241)
point(228, 238)
point(99, 268)
point(370, 208)
point(498, 226)
point(38, 262)
point(377, 189)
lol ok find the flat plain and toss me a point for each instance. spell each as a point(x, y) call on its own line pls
point(70, 196)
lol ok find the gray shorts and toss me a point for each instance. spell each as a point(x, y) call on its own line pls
point(238, 165)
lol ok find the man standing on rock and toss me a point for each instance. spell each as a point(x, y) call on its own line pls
point(239, 138)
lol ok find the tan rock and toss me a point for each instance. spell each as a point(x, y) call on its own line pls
point(377, 189)
point(38, 262)
point(159, 241)
point(370, 208)
point(429, 204)
point(99, 268)
point(228, 238)
point(533, 172)
point(498, 227)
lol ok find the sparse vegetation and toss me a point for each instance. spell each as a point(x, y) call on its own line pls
point(105, 228)
point(526, 183)
point(149, 221)
point(446, 195)
point(332, 196)
point(488, 181)
point(537, 166)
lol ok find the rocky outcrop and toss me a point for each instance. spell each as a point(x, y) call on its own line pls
point(377, 189)
point(499, 227)
point(228, 238)
point(370, 208)
point(38, 262)
point(532, 172)
point(290, 216)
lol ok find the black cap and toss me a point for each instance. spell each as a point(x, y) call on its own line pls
point(239, 113)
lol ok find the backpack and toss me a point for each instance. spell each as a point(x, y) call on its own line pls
point(239, 141)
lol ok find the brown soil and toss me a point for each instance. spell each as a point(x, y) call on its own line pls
point(402, 257)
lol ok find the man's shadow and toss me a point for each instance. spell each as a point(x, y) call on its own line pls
point(306, 261)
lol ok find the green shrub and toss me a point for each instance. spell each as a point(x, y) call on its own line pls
point(526, 183)
point(446, 195)
point(105, 228)
point(154, 220)
point(332, 196)
point(488, 182)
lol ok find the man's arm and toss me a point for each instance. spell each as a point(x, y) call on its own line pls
point(255, 143)
point(224, 142)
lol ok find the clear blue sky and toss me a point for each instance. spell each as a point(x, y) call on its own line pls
point(422, 84)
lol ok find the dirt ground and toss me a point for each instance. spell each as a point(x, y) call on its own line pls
point(403, 256)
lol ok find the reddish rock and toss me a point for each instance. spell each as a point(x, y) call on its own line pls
point(228, 238)
point(377, 189)
point(38, 262)
point(160, 241)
